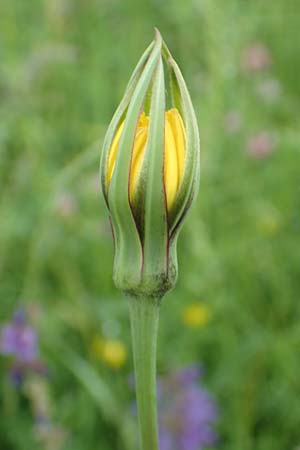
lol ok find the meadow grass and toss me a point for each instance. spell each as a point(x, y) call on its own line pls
point(64, 66)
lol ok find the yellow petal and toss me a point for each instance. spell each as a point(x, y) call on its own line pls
point(137, 158)
point(174, 153)
point(170, 164)
point(143, 120)
point(113, 154)
point(179, 135)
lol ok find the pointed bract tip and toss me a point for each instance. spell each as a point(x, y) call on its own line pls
point(157, 34)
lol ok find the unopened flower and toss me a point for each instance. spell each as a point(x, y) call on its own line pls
point(149, 178)
point(195, 315)
point(149, 173)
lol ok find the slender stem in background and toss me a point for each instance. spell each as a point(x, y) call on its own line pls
point(144, 314)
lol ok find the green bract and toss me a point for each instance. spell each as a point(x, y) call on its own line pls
point(145, 230)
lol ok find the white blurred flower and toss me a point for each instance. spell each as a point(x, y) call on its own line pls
point(57, 12)
point(46, 55)
point(269, 90)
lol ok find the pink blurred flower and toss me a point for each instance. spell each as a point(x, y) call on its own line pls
point(95, 183)
point(261, 145)
point(256, 57)
point(66, 205)
point(232, 121)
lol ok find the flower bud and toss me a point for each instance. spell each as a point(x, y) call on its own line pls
point(174, 154)
point(149, 173)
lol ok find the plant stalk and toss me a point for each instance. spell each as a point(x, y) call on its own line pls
point(144, 315)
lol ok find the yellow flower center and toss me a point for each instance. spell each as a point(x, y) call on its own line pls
point(174, 153)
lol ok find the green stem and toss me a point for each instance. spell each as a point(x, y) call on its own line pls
point(144, 314)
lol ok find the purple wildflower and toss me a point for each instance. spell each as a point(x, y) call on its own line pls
point(189, 374)
point(19, 339)
point(187, 412)
point(16, 374)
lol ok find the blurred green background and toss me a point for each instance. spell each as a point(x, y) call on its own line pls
point(64, 66)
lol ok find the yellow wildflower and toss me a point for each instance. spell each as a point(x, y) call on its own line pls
point(111, 351)
point(269, 224)
point(195, 315)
